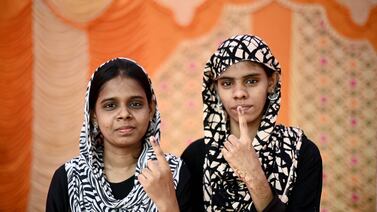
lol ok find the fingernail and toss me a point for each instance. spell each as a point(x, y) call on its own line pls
point(239, 108)
point(153, 139)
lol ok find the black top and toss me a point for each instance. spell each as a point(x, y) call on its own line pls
point(58, 200)
point(306, 193)
point(122, 189)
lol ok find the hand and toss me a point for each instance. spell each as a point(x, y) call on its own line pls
point(243, 159)
point(157, 181)
point(238, 152)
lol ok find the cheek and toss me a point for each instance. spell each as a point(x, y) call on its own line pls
point(143, 118)
point(226, 104)
point(227, 107)
point(146, 120)
point(103, 123)
point(261, 98)
point(144, 124)
point(104, 119)
point(224, 98)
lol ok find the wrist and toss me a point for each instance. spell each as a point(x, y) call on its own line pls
point(248, 176)
point(253, 178)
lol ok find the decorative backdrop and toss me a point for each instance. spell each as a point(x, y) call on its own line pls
point(49, 48)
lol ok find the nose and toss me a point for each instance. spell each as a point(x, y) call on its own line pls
point(239, 92)
point(124, 113)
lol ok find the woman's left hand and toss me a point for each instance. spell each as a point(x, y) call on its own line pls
point(157, 181)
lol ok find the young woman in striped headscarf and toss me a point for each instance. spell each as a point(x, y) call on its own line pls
point(247, 162)
point(121, 166)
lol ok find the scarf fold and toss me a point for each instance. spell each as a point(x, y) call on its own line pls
point(88, 189)
point(277, 146)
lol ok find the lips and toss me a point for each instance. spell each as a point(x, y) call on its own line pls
point(244, 107)
point(125, 130)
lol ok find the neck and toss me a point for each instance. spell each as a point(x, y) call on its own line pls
point(120, 163)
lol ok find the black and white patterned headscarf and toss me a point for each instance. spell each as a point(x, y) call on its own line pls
point(88, 188)
point(277, 146)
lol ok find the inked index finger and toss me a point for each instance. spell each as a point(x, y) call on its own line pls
point(157, 149)
point(244, 130)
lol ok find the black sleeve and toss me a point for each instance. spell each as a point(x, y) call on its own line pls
point(57, 197)
point(193, 156)
point(306, 193)
point(183, 191)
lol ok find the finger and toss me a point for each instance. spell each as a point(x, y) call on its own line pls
point(141, 179)
point(227, 155)
point(228, 146)
point(144, 181)
point(224, 152)
point(244, 131)
point(147, 173)
point(232, 139)
point(157, 150)
point(152, 165)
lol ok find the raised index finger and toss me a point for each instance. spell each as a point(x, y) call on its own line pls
point(244, 130)
point(157, 150)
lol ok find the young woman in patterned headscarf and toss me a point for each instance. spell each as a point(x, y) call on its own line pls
point(246, 162)
point(121, 166)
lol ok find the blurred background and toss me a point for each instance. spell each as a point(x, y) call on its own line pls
point(49, 48)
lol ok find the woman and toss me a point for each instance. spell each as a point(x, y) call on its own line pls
point(246, 162)
point(120, 166)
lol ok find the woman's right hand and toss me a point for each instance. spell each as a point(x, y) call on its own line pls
point(243, 159)
point(157, 181)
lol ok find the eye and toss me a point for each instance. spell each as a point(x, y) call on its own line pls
point(109, 106)
point(225, 83)
point(136, 104)
point(251, 81)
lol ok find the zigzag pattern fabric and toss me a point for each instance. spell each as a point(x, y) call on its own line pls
point(277, 146)
point(88, 188)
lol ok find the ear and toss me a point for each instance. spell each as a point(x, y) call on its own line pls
point(152, 107)
point(272, 82)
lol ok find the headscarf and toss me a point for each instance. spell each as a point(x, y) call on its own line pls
point(277, 146)
point(88, 188)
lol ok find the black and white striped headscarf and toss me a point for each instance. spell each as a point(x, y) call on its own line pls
point(277, 146)
point(88, 188)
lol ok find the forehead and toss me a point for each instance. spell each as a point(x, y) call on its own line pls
point(241, 69)
point(121, 87)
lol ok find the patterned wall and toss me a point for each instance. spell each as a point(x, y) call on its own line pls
point(334, 92)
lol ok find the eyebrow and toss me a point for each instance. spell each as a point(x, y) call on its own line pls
point(243, 77)
point(113, 98)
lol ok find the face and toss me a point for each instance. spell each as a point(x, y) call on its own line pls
point(122, 112)
point(244, 84)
